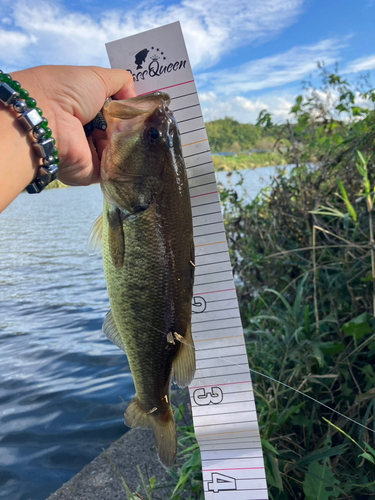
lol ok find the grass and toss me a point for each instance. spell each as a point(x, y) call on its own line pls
point(242, 161)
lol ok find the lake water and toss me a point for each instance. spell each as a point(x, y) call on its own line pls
point(61, 380)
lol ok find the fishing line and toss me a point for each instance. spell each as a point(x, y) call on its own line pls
point(303, 394)
point(273, 380)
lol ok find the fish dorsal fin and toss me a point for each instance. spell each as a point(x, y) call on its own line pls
point(111, 332)
point(183, 365)
point(119, 109)
point(94, 242)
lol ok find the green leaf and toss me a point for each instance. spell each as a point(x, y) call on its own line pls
point(327, 211)
point(368, 457)
point(349, 206)
point(331, 347)
point(367, 278)
point(320, 483)
point(318, 355)
point(268, 446)
point(321, 454)
point(358, 327)
point(272, 470)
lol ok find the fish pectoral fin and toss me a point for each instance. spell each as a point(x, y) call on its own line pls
point(111, 332)
point(94, 241)
point(116, 241)
point(183, 365)
point(162, 425)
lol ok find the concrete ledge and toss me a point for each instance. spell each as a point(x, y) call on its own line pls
point(98, 480)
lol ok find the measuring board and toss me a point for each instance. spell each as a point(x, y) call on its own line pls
point(221, 393)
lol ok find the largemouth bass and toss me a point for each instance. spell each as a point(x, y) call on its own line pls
point(148, 258)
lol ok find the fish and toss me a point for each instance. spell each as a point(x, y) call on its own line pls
point(140, 58)
point(146, 235)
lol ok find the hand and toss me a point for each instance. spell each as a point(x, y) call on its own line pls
point(70, 97)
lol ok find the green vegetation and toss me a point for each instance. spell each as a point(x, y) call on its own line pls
point(303, 255)
point(242, 161)
point(228, 135)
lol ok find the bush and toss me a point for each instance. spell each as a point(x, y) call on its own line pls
point(303, 258)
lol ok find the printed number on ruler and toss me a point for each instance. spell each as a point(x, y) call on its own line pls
point(202, 397)
point(220, 482)
point(198, 305)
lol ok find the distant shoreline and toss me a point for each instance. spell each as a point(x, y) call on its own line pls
point(225, 164)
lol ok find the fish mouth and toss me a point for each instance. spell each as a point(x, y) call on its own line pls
point(128, 116)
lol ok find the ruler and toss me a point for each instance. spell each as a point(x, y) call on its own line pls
point(221, 393)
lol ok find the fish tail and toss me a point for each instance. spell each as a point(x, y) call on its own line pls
point(162, 425)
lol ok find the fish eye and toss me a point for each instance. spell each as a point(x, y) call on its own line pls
point(153, 135)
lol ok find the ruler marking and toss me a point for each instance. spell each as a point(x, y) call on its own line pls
point(199, 165)
point(207, 224)
point(230, 402)
point(189, 119)
point(183, 95)
point(211, 253)
point(214, 291)
point(227, 356)
point(225, 383)
point(169, 87)
point(204, 215)
point(211, 459)
point(214, 272)
point(191, 143)
point(200, 175)
point(237, 468)
point(190, 131)
point(204, 194)
point(200, 153)
point(201, 185)
point(187, 107)
point(204, 204)
point(212, 282)
point(218, 338)
point(216, 310)
point(216, 319)
point(226, 423)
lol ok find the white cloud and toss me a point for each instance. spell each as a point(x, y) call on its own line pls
point(250, 105)
point(211, 28)
point(273, 71)
point(246, 110)
point(14, 42)
point(361, 64)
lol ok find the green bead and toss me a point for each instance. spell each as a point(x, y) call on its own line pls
point(48, 132)
point(4, 77)
point(55, 152)
point(30, 102)
point(57, 159)
point(15, 85)
point(23, 94)
point(44, 123)
point(53, 140)
point(39, 111)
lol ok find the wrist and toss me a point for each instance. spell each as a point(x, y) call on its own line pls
point(30, 117)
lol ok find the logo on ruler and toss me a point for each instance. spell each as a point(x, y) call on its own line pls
point(153, 62)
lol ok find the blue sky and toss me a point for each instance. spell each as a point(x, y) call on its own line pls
point(246, 55)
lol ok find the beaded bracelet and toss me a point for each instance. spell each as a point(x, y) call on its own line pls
point(33, 121)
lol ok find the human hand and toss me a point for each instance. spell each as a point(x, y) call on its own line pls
point(70, 97)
